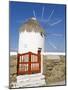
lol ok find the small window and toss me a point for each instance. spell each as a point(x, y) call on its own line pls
point(41, 34)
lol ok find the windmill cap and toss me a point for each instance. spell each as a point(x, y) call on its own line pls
point(33, 18)
point(32, 25)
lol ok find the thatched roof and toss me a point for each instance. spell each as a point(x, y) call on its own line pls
point(31, 25)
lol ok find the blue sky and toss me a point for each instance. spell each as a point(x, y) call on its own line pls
point(50, 16)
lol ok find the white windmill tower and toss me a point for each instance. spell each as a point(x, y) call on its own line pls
point(31, 40)
point(31, 36)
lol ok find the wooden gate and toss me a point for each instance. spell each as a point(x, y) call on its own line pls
point(28, 63)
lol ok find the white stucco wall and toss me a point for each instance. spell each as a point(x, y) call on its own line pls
point(30, 41)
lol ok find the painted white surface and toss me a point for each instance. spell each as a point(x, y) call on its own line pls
point(30, 41)
point(30, 80)
point(31, 83)
point(34, 76)
point(43, 53)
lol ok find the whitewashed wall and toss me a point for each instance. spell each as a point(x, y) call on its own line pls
point(30, 41)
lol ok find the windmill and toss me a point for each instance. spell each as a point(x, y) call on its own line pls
point(31, 40)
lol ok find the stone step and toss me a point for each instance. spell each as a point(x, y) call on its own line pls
point(26, 76)
point(30, 80)
point(31, 83)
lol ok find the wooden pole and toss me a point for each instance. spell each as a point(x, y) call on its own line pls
point(29, 67)
point(39, 59)
point(17, 64)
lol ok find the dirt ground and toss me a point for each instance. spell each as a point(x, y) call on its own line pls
point(54, 70)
